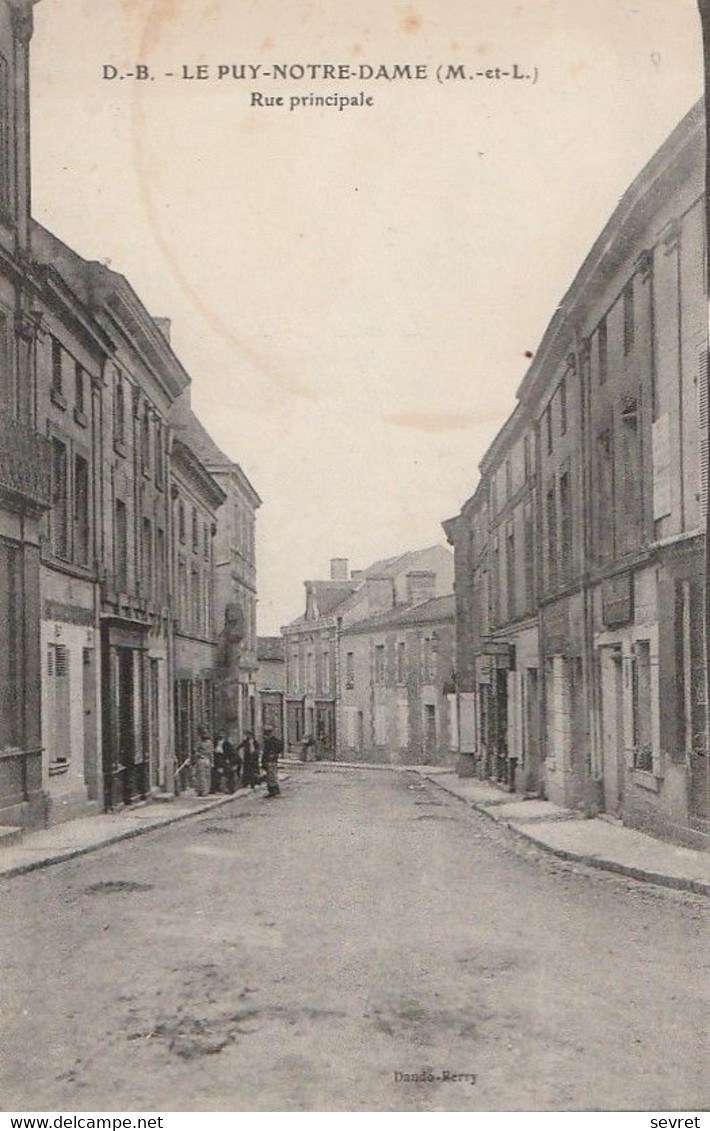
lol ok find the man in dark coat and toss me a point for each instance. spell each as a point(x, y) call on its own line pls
point(232, 765)
point(273, 748)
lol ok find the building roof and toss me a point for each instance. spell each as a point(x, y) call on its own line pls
point(191, 429)
point(345, 595)
point(438, 610)
point(270, 648)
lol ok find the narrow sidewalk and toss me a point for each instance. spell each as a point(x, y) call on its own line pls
point(41, 847)
point(572, 836)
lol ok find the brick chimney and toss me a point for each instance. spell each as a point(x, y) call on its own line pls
point(380, 594)
point(421, 586)
point(338, 569)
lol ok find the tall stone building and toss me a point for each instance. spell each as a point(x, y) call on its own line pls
point(580, 556)
point(25, 454)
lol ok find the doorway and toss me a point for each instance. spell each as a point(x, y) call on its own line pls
point(612, 729)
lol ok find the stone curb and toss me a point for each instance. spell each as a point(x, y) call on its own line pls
point(679, 883)
point(114, 838)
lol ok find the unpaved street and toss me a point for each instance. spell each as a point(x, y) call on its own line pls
point(295, 954)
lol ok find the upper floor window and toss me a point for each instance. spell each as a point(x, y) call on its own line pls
point(119, 411)
point(548, 427)
point(57, 377)
point(158, 452)
point(401, 662)
point(603, 351)
point(60, 500)
point(6, 200)
point(563, 406)
point(195, 532)
point(206, 542)
point(145, 440)
point(527, 456)
point(350, 669)
point(121, 541)
point(379, 663)
point(181, 520)
point(79, 389)
point(81, 510)
point(629, 327)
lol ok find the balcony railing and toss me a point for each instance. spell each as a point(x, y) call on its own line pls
point(25, 463)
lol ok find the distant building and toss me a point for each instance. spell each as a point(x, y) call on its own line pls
point(397, 667)
point(315, 679)
point(271, 683)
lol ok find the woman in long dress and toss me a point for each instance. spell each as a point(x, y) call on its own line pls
point(202, 761)
point(249, 749)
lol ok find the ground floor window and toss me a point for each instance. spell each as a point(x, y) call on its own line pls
point(642, 706)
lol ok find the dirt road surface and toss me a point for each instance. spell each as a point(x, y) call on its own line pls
point(299, 953)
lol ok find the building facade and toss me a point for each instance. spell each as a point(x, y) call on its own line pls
point(580, 557)
point(235, 594)
point(25, 452)
point(314, 673)
point(271, 684)
point(397, 701)
point(195, 499)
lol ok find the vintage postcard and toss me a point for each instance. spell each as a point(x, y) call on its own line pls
point(353, 495)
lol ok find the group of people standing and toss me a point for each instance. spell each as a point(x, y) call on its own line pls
point(221, 767)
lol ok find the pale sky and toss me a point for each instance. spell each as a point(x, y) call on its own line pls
point(352, 292)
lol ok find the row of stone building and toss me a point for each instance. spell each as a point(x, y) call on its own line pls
point(368, 667)
point(579, 558)
point(126, 535)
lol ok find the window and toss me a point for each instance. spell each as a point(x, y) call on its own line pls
point(430, 726)
point(350, 669)
point(529, 557)
point(145, 440)
point(604, 495)
point(566, 539)
point(181, 520)
point(81, 510)
point(79, 395)
point(508, 480)
point(563, 406)
point(310, 672)
point(196, 596)
point(603, 348)
point(326, 673)
point(380, 663)
point(629, 328)
point(551, 510)
point(401, 662)
point(527, 457)
point(427, 665)
point(510, 570)
point(183, 608)
point(206, 542)
point(59, 705)
point(60, 500)
point(630, 477)
point(119, 411)
point(158, 452)
point(160, 564)
point(5, 138)
point(195, 533)
point(548, 427)
point(121, 538)
point(148, 557)
point(642, 706)
point(56, 366)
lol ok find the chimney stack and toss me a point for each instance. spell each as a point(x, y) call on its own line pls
point(421, 586)
point(338, 569)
